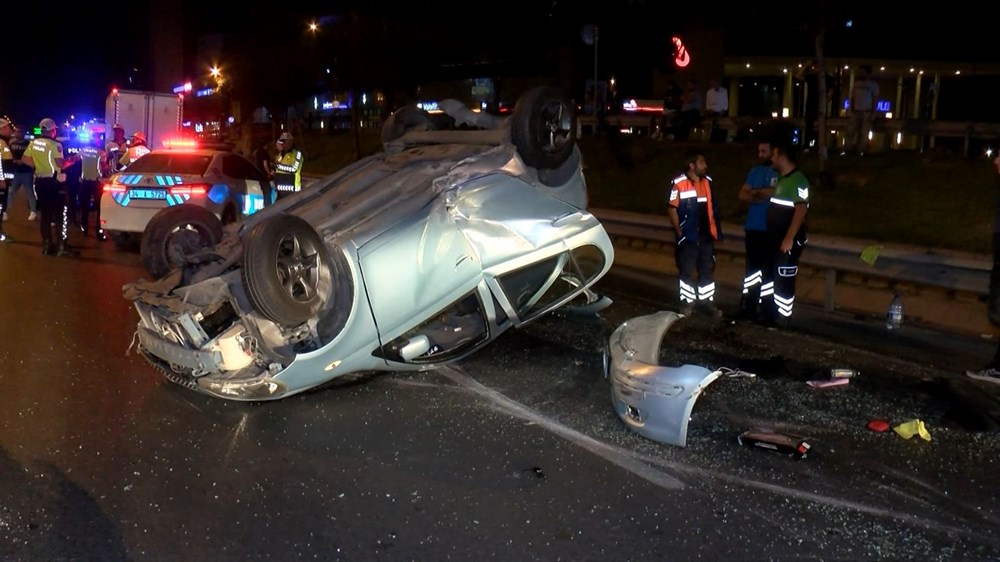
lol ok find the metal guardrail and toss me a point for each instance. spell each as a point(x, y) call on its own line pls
point(943, 270)
point(952, 271)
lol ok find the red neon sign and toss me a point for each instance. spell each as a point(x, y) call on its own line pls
point(682, 57)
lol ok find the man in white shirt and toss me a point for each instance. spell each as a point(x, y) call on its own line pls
point(717, 105)
point(864, 102)
point(717, 99)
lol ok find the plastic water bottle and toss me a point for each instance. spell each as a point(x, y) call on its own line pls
point(894, 318)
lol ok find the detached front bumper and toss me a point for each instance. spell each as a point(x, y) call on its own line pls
point(653, 400)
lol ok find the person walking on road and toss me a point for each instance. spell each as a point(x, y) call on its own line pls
point(786, 235)
point(755, 194)
point(45, 155)
point(991, 371)
point(694, 215)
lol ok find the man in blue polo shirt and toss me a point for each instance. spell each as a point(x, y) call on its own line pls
point(755, 194)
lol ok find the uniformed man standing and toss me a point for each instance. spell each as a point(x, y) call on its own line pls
point(755, 194)
point(136, 149)
point(786, 233)
point(6, 170)
point(117, 147)
point(287, 167)
point(45, 155)
point(694, 214)
point(94, 164)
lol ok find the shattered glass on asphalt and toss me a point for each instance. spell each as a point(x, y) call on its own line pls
point(858, 495)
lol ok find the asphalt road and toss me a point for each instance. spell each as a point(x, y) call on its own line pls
point(513, 454)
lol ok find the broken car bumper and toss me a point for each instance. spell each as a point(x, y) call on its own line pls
point(653, 400)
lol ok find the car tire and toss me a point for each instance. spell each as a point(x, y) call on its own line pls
point(403, 120)
point(175, 233)
point(543, 128)
point(284, 264)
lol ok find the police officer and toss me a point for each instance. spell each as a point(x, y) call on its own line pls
point(694, 214)
point(287, 167)
point(45, 155)
point(6, 170)
point(117, 147)
point(755, 193)
point(786, 235)
point(94, 166)
point(136, 149)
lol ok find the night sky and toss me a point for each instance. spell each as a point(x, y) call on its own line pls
point(68, 64)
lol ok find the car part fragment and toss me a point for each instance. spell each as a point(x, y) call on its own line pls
point(653, 400)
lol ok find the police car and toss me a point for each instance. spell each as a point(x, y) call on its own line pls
point(195, 190)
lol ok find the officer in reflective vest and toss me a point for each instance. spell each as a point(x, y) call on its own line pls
point(287, 167)
point(45, 155)
point(786, 232)
point(136, 149)
point(94, 167)
point(694, 214)
point(6, 170)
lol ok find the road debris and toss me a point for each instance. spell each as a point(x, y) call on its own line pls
point(912, 427)
point(790, 445)
point(878, 426)
point(826, 383)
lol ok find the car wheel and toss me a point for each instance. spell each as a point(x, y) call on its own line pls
point(406, 119)
point(174, 234)
point(284, 262)
point(543, 127)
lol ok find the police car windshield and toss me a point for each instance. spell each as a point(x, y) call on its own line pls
point(172, 163)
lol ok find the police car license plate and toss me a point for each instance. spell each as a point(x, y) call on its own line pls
point(148, 193)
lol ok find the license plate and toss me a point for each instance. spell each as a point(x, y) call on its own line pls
point(148, 193)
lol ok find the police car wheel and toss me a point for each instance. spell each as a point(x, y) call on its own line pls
point(176, 233)
point(286, 269)
point(544, 127)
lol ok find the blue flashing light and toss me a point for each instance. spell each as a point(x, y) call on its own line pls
point(218, 193)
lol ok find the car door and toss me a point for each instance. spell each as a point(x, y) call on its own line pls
point(247, 183)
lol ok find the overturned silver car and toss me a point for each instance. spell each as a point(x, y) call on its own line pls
point(404, 260)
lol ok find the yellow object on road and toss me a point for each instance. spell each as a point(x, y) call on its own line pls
point(913, 427)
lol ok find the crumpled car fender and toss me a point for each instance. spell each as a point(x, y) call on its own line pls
point(653, 400)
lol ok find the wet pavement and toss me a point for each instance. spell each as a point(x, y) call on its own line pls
point(513, 454)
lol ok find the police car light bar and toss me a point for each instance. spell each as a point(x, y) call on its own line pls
point(180, 143)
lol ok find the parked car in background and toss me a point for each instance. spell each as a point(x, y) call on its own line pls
point(192, 191)
point(405, 260)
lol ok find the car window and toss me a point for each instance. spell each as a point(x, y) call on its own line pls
point(541, 286)
point(171, 163)
point(238, 167)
